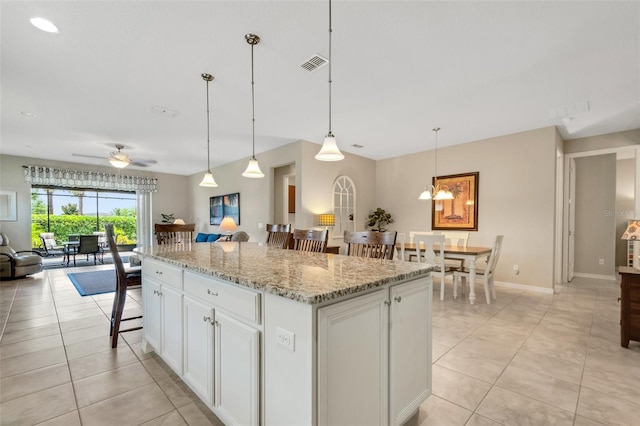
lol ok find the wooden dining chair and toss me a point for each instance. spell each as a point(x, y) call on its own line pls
point(173, 233)
point(125, 277)
point(310, 240)
point(400, 241)
point(378, 245)
point(486, 274)
point(427, 252)
point(278, 235)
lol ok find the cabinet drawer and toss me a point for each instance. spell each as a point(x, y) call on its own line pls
point(239, 302)
point(166, 274)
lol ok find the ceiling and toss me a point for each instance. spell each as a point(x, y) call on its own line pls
point(475, 69)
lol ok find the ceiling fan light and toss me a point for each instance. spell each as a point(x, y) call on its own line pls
point(208, 180)
point(253, 169)
point(329, 150)
point(118, 163)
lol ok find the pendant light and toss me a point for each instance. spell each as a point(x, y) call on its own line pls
point(208, 180)
point(329, 150)
point(253, 169)
point(437, 192)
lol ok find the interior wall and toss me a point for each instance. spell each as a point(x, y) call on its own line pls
point(516, 197)
point(606, 141)
point(595, 198)
point(170, 198)
point(624, 208)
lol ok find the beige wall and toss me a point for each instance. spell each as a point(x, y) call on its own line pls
point(624, 212)
point(170, 198)
point(609, 140)
point(516, 197)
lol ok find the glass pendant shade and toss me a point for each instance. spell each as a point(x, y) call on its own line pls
point(208, 180)
point(120, 164)
point(253, 169)
point(443, 195)
point(426, 194)
point(329, 150)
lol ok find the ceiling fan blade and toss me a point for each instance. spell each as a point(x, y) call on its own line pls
point(144, 160)
point(89, 156)
point(136, 163)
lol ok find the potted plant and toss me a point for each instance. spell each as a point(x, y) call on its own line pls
point(378, 219)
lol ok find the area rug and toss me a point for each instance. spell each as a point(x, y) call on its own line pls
point(94, 282)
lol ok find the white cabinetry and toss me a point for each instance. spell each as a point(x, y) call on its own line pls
point(198, 348)
point(374, 356)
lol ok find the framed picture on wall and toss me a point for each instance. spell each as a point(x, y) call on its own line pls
point(8, 210)
point(461, 212)
point(222, 206)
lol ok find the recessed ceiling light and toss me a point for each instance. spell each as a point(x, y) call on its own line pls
point(44, 25)
point(28, 114)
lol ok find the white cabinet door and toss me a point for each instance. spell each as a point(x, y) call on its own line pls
point(152, 314)
point(198, 348)
point(410, 348)
point(237, 371)
point(353, 361)
point(171, 328)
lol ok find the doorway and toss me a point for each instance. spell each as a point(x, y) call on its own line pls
point(284, 197)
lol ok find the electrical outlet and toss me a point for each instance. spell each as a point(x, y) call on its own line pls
point(260, 225)
point(516, 269)
point(601, 262)
point(286, 338)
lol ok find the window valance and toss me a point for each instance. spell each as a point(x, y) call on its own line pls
point(42, 175)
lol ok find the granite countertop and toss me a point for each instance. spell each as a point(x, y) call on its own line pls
point(305, 277)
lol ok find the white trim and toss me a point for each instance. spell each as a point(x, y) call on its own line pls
point(595, 276)
point(546, 290)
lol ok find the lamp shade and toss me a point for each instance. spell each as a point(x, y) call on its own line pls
point(329, 150)
point(633, 231)
point(228, 225)
point(426, 194)
point(118, 163)
point(208, 180)
point(326, 220)
point(178, 222)
point(253, 169)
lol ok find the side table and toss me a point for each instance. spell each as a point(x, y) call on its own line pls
point(629, 305)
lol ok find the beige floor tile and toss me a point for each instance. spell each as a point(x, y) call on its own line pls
point(31, 361)
point(110, 383)
point(556, 348)
point(30, 323)
point(89, 322)
point(458, 388)
point(568, 371)
point(478, 420)
point(38, 407)
point(172, 419)
point(471, 364)
point(22, 384)
point(437, 350)
point(449, 337)
point(80, 335)
point(540, 387)
point(158, 369)
point(583, 421)
point(69, 419)
point(503, 352)
point(28, 346)
point(622, 386)
point(510, 408)
point(29, 333)
point(133, 407)
point(436, 411)
point(88, 347)
point(177, 391)
point(84, 313)
point(101, 362)
point(607, 409)
point(197, 414)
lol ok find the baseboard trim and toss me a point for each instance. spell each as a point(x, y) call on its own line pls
point(595, 276)
point(526, 287)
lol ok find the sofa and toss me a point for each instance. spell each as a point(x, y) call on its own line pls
point(17, 264)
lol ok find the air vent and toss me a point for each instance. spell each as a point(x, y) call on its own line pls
point(313, 63)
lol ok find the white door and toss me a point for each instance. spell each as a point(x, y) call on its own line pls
point(410, 348)
point(198, 348)
point(237, 371)
point(353, 339)
point(571, 223)
point(172, 328)
point(152, 313)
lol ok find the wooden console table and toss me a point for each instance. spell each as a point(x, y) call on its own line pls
point(629, 305)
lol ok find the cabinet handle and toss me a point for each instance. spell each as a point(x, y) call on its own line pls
point(155, 291)
point(215, 323)
point(205, 319)
point(386, 302)
point(398, 299)
point(159, 293)
point(159, 272)
point(213, 293)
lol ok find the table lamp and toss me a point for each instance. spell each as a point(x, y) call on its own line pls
point(178, 222)
point(632, 233)
point(228, 225)
point(326, 220)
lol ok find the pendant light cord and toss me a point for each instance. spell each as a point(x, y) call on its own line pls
point(253, 111)
point(330, 62)
point(435, 168)
point(208, 142)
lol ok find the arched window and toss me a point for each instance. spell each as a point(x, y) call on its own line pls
point(344, 205)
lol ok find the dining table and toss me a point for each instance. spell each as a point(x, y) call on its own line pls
point(469, 256)
point(69, 246)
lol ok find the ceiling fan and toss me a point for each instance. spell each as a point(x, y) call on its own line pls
point(121, 159)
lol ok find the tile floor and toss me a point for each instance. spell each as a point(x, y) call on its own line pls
point(527, 359)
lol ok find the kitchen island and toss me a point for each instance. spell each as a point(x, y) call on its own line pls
point(279, 337)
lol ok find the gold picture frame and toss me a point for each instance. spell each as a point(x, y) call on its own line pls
point(460, 213)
